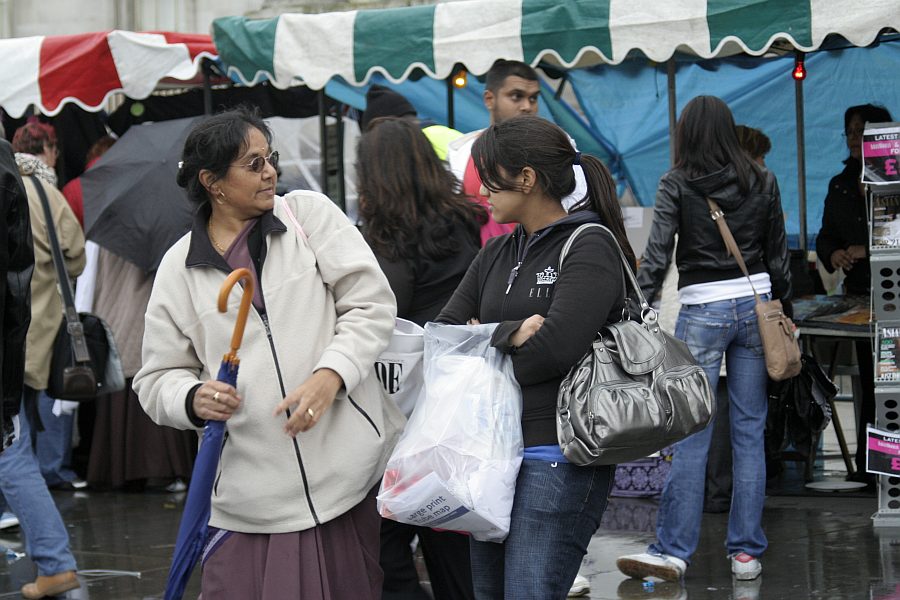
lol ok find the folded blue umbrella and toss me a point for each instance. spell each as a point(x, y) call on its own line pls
point(192, 532)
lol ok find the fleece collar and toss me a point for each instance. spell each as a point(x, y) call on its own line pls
point(201, 252)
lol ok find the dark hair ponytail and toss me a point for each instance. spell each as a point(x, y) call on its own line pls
point(508, 147)
point(603, 200)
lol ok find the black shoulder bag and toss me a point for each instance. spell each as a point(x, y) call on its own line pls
point(82, 347)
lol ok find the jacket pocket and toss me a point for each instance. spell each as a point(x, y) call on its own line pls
point(364, 414)
point(221, 465)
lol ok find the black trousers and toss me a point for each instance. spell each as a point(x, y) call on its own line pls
point(446, 557)
point(719, 459)
point(866, 412)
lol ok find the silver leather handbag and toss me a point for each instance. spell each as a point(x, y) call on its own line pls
point(635, 392)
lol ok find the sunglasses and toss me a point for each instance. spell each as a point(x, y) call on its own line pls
point(259, 162)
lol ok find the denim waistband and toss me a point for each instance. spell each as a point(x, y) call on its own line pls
point(732, 306)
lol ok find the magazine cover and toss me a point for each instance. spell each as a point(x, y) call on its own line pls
point(881, 153)
point(885, 220)
point(888, 354)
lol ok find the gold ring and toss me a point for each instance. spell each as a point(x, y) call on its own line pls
point(216, 396)
point(311, 413)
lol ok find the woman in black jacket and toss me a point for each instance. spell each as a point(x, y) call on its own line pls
point(717, 319)
point(424, 233)
point(548, 317)
point(843, 243)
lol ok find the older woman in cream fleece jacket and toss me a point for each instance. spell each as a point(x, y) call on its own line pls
point(308, 427)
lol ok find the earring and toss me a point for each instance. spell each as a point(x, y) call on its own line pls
point(220, 197)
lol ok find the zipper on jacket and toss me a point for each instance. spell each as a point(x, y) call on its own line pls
point(312, 509)
point(512, 276)
point(521, 253)
point(365, 414)
point(222, 468)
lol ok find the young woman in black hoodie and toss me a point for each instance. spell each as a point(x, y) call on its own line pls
point(424, 233)
point(548, 317)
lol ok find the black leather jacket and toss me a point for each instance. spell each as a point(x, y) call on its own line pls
point(755, 219)
point(16, 266)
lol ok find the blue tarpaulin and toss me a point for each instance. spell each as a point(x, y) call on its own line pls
point(627, 124)
point(429, 96)
point(628, 105)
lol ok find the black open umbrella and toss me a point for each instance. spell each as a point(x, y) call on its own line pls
point(132, 205)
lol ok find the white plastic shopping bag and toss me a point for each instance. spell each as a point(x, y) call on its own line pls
point(399, 367)
point(456, 463)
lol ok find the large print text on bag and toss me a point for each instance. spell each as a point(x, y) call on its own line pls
point(637, 390)
point(456, 464)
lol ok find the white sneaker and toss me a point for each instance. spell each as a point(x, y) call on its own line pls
point(641, 566)
point(745, 567)
point(177, 486)
point(7, 520)
point(580, 587)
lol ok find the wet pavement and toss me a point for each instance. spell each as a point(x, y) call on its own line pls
point(821, 545)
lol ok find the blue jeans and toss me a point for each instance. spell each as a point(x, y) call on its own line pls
point(556, 509)
point(23, 486)
point(726, 327)
point(54, 444)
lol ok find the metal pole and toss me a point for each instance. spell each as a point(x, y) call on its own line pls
point(207, 87)
point(801, 163)
point(450, 111)
point(670, 78)
point(339, 143)
point(323, 142)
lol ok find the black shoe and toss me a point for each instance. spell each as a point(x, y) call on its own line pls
point(75, 485)
point(716, 507)
point(867, 478)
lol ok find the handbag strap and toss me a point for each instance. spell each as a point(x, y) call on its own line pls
point(294, 220)
point(73, 323)
point(648, 314)
point(718, 216)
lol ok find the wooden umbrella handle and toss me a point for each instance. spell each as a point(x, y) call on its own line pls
point(246, 300)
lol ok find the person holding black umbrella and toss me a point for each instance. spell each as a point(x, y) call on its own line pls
point(308, 428)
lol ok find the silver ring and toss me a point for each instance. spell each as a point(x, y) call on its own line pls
point(311, 413)
point(216, 396)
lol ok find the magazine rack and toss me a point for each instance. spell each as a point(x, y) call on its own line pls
point(881, 159)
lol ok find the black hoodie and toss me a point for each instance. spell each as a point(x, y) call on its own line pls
point(515, 277)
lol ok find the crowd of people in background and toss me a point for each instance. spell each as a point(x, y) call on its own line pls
point(452, 227)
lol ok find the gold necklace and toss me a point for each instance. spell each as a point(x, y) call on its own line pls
point(219, 248)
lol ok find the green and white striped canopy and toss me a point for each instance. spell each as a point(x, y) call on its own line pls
point(313, 48)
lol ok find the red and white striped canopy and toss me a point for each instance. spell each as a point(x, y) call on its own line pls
point(51, 71)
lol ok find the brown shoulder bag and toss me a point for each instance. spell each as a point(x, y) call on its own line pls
point(776, 330)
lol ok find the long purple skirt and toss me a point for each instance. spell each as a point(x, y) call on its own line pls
point(337, 560)
point(128, 446)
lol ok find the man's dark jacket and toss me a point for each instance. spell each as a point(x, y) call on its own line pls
point(16, 264)
point(844, 224)
point(756, 220)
